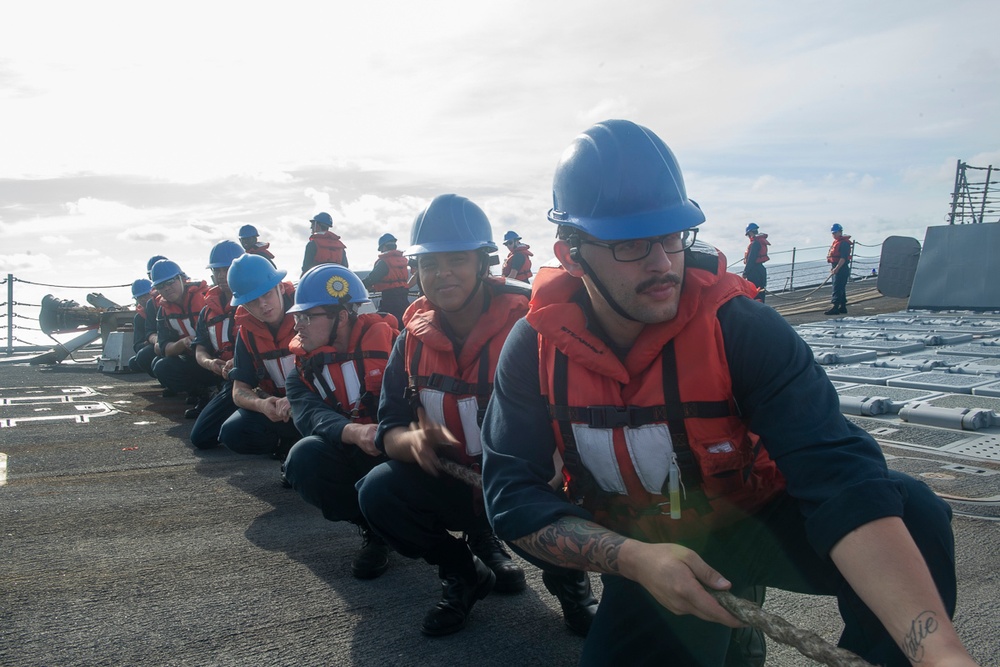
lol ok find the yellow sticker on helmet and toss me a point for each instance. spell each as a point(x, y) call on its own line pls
point(337, 287)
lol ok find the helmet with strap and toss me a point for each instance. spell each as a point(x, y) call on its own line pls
point(250, 277)
point(328, 285)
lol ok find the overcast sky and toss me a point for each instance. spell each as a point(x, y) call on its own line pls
point(133, 129)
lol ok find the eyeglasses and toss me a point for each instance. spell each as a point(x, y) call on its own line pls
point(633, 250)
point(168, 281)
point(304, 319)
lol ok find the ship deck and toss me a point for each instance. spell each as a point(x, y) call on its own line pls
point(120, 544)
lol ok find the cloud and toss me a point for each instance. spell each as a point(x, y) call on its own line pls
point(19, 263)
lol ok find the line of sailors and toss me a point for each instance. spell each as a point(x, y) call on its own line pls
point(357, 405)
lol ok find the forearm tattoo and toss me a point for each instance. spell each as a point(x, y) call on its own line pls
point(924, 624)
point(576, 543)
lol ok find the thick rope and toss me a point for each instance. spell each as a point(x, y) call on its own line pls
point(806, 642)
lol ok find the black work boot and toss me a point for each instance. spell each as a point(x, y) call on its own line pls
point(459, 591)
point(833, 311)
point(490, 550)
point(572, 589)
point(372, 558)
point(193, 412)
point(747, 646)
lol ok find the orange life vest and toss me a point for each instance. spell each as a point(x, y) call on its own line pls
point(399, 272)
point(760, 240)
point(454, 390)
point(652, 446)
point(834, 255)
point(183, 317)
point(262, 250)
point(329, 248)
point(220, 318)
point(350, 382)
point(525, 271)
point(272, 360)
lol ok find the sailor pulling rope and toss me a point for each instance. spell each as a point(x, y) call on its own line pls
point(804, 641)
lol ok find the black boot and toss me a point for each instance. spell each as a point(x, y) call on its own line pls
point(459, 591)
point(372, 558)
point(193, 412)
point(833, 311)
point(747, 647)
point(490, 550)
point(572, 589)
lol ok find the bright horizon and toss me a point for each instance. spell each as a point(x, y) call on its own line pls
point(133, 130)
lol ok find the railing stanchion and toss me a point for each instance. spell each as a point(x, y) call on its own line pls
point(10, 314)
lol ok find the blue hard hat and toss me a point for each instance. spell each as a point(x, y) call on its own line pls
point(223, 254)
point(250, 276)
point(450, 223)
point(618, 180)
point(836, 228)
point(752, 227)
point(386, 238)
point(163, 271)
point(511, 236)
point(247, 231)
point(328, 285)
point(322, 219)
point(153, 260)
point(141, 287)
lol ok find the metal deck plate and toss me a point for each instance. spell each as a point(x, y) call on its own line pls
point(866, 374)
point(936, 380)
point(894, 394)
point(975, 349)
point(992, 389)
point(965, 444)
point(964, 401)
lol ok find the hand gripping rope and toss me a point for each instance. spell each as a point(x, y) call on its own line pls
point(806, 642)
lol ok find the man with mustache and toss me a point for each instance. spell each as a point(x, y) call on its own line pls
point(701, 445)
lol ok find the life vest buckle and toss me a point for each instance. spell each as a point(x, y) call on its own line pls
point(613, 416)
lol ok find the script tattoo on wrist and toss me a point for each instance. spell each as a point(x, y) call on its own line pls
point(577, 544)
point(924, 624)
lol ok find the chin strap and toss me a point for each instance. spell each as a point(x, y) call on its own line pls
point(577, 256)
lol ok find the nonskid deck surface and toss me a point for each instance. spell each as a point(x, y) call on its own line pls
point(121, 544)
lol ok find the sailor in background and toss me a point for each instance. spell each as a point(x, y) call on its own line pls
point(324, 247)
point(391, 277)
point(181, 303)
point(839, 258)
point(754, 258)
point(248, 239)
point(518, 263)
point(215, 343)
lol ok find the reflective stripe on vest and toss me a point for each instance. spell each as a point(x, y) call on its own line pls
point(471, 408)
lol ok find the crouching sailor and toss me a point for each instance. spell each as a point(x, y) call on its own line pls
point(340, 357)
